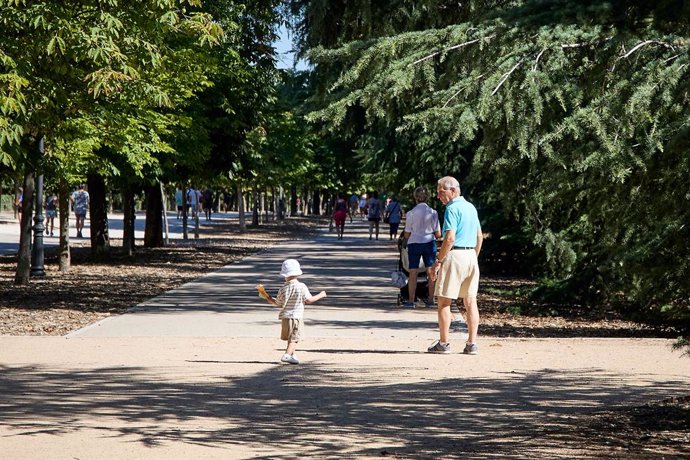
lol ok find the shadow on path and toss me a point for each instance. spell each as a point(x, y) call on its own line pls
point(330, 410)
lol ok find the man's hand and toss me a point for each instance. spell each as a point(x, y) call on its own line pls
point(433, 270)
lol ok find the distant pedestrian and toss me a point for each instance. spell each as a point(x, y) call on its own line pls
point(226, 201)
point(18, 203)
point(374, 211)
point(340, 213)
point(192, 197)
point(51, 213)
point(363, 205)
point(207, 202)
point(456, 270)
point(292, 297)
point(393, 215)
point(179, 202)
point(80, 204)
point(353, 205)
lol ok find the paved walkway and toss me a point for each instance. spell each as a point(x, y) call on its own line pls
point(194, 373)
point(9, 228)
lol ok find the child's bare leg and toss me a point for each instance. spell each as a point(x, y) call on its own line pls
point(291, 347)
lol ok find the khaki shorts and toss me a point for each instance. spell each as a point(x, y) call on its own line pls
point(458, 276)
point(291, 329)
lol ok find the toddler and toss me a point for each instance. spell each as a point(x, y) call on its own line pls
point(292, 297)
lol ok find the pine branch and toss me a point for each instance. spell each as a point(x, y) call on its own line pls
point(505, 77)
point(452, 48)
point(644, 43)
point(536, 62)
point(458, 92)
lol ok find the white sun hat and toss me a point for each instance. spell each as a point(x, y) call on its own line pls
point(290, 268)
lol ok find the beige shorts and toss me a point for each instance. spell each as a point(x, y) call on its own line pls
point(291, 329)
point(458, 276)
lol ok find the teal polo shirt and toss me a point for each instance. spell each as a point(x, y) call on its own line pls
point(462, 217)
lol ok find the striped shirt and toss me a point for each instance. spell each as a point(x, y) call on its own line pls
point(291, 299)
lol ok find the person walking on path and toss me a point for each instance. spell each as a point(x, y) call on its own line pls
point(456, 270)
point(393, 215)
point(207, 203)
point(363, 205)
point(292, 297)
point(193, 201)
point(354, 205)
point(51, 213)
point(421, 230)
point(80, 203)
point(18, 204)
point(374, 211)
point(340, 211)
point(179, 202)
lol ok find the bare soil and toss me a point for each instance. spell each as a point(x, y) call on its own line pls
point(91, 290)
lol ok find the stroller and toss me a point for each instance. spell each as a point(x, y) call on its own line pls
point(422, 291)
point(400, 279)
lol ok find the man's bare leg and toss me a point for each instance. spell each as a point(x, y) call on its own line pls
point(472, 311)
point(444, 318)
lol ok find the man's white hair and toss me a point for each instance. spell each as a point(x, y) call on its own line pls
point(449, 182)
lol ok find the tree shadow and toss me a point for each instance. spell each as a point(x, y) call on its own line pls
point(322, 410)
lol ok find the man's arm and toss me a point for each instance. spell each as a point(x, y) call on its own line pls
point(446, 246)
point(480, 240)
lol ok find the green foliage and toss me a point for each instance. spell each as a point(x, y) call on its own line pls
point(97, 74)
point(571, 117)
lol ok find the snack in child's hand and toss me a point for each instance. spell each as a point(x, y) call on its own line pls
point(262, 291)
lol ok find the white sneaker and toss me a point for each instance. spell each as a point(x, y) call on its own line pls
point(292, 359)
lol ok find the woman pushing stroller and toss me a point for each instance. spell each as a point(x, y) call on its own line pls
point(422, 228)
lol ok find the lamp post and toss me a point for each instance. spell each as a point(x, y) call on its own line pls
point(37, 255)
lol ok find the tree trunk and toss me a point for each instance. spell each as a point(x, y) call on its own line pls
point(166, 228)
point(316, 203)
point(63, 203)
point(23, 274)
point(255, 207)
point(240, 205)
point(185, 213)
point(98, 208)
point(293, 201)
point(129, 219)
point(153, 235)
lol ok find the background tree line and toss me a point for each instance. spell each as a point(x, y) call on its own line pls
point(130, 96)
point(566, 121)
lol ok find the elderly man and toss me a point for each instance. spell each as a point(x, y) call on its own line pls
point(456, 269)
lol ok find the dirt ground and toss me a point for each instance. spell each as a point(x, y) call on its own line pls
point(63, 302)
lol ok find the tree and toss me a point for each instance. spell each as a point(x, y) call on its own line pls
point(571, 116)
point(81, 62)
